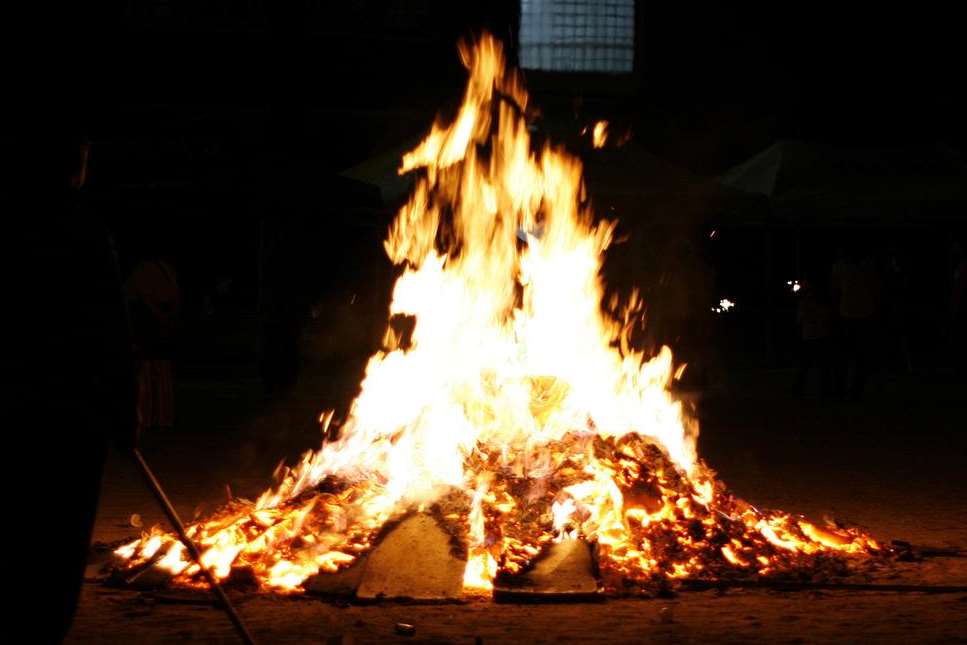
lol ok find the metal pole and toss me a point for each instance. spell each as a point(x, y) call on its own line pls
point(172, 516)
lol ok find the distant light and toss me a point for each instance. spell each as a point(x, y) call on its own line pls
point(794, 285)
point(725, 305)
point(711, 235)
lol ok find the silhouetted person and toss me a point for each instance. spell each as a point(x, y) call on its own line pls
point(898, 308)
point(814, 316)
point(76, 375)
point(285, 313)
point(154, 303)
point(855, 284)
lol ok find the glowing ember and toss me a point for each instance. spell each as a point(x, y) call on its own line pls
point(517, 410)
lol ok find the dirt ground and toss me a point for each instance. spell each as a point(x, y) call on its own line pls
point(893, 463)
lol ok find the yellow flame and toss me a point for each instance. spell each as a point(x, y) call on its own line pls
point(512, 368)
point(599, 136)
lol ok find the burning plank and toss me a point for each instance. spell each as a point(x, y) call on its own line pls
point(343, 583)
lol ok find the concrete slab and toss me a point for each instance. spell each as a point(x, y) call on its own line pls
point(565, 572)
point(416, 561)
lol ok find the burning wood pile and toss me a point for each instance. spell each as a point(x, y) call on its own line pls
point(515, 411)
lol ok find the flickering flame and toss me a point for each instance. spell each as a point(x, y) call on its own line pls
point(599, 136)
point(516, 391)
point(481, 565)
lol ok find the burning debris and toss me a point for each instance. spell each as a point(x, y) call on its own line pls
point(565, 571)
point(516, 414)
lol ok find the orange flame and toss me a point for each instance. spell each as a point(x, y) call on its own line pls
point(513, 373)
point(599, 136)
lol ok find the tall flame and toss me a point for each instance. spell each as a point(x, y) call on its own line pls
point(510, 349)
point(512, 369)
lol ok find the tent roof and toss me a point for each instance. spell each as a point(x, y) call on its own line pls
point(797, 175)
point(381, 171)
point(625, 181)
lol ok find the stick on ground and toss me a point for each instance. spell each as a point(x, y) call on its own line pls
point(175, 521)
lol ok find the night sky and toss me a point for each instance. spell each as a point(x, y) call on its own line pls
point(211, 117)
point(876, 73)
point(218, 132)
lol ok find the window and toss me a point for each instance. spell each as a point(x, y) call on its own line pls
point(577, 35)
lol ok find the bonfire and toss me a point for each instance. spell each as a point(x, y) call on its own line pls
point(515, 408)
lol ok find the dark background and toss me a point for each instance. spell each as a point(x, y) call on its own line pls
point(220, 127)
point(219, 132)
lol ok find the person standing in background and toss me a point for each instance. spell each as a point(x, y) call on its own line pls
point(815, 319)
point(855, 284)
point(154, 302)
point(898, 308)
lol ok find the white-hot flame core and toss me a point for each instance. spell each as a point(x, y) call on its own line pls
point(510, 352)
point(499, 325)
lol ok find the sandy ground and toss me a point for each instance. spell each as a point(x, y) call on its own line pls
point(894, 464)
